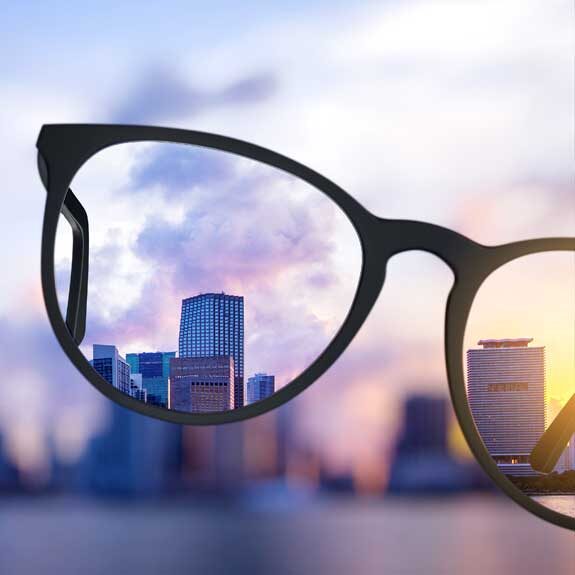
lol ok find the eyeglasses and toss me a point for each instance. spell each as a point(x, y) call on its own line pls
point(251, 273)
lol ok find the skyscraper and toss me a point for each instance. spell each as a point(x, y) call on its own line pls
point(155, 370)
point(108, 362)
point(202, 384)
point(507, 393)
point(260, 386)
point(213, 324)
point(425, 425)
point(421, 461)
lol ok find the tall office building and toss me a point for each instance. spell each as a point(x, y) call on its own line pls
point(202, 384)
point(108, 362)
point(213, 324)
point(155, 370)
point(260, 386)
point(421, 461)
point(507, 396)
point(425, 425)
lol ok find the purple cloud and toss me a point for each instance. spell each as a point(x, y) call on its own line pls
point(248, 230)
point(162, 94)
point(177, 167)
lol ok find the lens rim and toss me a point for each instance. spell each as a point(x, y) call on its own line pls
point(459, 305)
point(64, 148)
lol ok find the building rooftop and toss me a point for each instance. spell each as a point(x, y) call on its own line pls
point(517, 342)
point(212, 294)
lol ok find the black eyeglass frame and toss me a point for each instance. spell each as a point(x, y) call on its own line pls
point(64, 148)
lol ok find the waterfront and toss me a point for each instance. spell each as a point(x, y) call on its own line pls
point(466, 534)
point(561, 503)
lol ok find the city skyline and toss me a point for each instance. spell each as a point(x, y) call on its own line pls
point(182, 242)
point(487, 176)
point(211, 339)
point(212, 323)
point(270, 321)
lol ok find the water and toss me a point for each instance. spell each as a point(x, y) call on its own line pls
point(564, 504)
point(472, 535)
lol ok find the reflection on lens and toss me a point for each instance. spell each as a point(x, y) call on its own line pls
point(520, 360)
point(214, 280)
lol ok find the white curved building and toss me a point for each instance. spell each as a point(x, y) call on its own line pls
point(507, 395)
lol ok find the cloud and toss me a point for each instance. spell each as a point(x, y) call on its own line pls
point(161, 94)
point(245, 229)
point(541, 207)
point(175, 168)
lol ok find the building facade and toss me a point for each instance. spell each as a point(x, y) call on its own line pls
point(202, 384)
point(108, 362)
point(212, 325)
point(421, 461)
point(260, 386)
point(137, 391)
point(506, 390)
point(424, 426)
point(155, 370)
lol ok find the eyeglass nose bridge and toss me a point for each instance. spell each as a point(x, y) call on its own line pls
point(393, 237)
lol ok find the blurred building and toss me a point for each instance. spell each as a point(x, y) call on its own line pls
point(213, 324)
point(260, 386)
point(507, 392)
point(135, 455)
point(155, 370)
point(422, 462)
point(202, 384)
point(425, 425)
point(9, 477)
point(233, 457)
point(264, 454)
point(108, 362)
point(228, 456)
point(213, 458)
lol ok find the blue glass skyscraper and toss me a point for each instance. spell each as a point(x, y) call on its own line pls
point(213, 324)
point(155, 370)
point(260, 386)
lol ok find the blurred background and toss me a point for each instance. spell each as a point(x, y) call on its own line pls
point(456, 113)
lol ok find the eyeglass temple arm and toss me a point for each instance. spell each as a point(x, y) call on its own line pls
point(74, 212)
point(76, 216)
point(553, 442)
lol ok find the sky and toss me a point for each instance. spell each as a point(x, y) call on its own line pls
point(456, 113)
point(169, 222)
